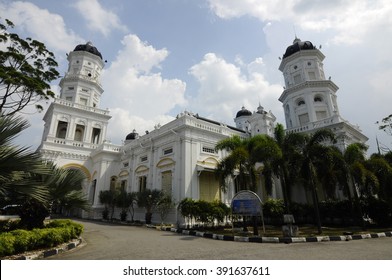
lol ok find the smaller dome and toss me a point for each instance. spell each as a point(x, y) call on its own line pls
point(243, 112)
point(88, 47)
point(260, 110)
point(132, 136)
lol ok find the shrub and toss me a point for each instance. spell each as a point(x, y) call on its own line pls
point(273, 208)
point(55, 233)
point(23, 240)
point(7, 241)
point(380, 211)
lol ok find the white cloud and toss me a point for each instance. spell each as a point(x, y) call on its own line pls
point(41, 25)
point(223, 86)
point(99, 18)
point(137, 96)
point(351, 20)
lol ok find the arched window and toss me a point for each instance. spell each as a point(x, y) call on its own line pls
point(318, 99)
point(62, 129)
point(113, 181)
point(300, 102)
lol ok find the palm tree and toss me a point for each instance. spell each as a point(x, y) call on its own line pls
point(18, 166)
point(312, 153)
point(283, 167)
point(380, 167)
point(236, 161)
point(65, 189)
point(243, 155)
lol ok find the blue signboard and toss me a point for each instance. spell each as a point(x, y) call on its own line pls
point(246, 203)
point(249, 207)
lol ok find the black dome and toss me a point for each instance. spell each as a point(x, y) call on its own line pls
point(243, 112)
point(132, 136)
point(297, 46)
point(88, 47)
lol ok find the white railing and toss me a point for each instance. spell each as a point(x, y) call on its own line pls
point(315, 125)
point(78, 144)
point(80, 106)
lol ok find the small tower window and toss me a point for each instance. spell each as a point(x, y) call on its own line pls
point(79, 132)
point(95, 135)
point(318, 99)
point(300, 102)
point(62, 129)
point(297, 79)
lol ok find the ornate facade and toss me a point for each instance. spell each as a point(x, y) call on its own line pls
point(178, 157)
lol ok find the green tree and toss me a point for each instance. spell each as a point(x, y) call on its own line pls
point(108, 199)
point(386, 124)
point(27, 68)
point(165, 203)
point(380, 167)
point(126, 202)
point(186, 208)
point(313, 152)
point(148, 199)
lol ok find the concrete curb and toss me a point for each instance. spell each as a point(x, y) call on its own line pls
point(286, 240)
point(49, 252)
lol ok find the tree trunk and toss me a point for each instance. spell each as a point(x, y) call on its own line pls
point(148, 218)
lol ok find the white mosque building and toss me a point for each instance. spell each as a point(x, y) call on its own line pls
point(178, 157)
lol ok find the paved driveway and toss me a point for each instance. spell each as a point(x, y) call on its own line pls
point(120, 242)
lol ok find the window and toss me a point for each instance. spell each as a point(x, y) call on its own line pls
point(297, 79)
point(142, 183)
point(303, 119)
point(167, 151)
point(208, 187)
point(321, 115)
point(126, 164)
point(95, 135)
point(69, 98)
point(312, 76)
point(92, 191)
point(79, 132)
point(113, 183)
point(208, 150)
point(143, 158)
point(71, 88)
point(300, 102)
point(123, 185)
point(62, 129)
point(167, 182)
point(318, 99)
point(83, 101)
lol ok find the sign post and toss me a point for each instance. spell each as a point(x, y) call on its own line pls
point(248, 203)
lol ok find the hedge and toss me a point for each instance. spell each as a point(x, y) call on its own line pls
point(55, 233)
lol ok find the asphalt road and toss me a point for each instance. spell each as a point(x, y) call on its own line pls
point(120, 242)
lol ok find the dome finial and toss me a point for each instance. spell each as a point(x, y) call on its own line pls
point(295, 35)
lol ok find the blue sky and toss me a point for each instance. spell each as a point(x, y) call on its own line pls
point(214, 56)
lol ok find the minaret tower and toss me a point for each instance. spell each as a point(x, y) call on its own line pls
point(309, 99)
point(74, 125)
